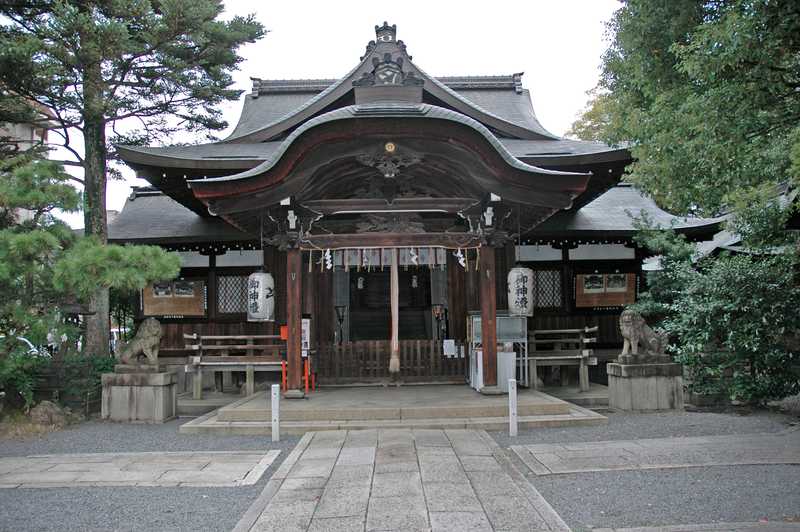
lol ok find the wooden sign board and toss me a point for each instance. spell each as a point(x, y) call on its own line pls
point(174, 298)
point(605, 289)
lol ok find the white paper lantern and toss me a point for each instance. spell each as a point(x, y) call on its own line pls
point(260, 297)
point(520, 292)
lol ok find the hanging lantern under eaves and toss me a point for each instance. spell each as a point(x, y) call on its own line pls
point(520, 292)
point(260, 297)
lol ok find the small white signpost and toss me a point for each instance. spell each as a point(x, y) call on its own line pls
point(512, 407)
point(276, 408)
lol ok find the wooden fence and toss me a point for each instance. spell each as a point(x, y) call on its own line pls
point(73, 384)
point(368, 361)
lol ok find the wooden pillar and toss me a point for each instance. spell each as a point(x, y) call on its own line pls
point(294, 281)
point(566, 284)
point(309, 284)
point(488, 315)
point(212, 287)
point(394, 296)
point(456, 296)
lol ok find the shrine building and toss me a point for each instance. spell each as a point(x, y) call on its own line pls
point(388, 207)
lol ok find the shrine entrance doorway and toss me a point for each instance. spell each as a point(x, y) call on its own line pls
point(370, 305)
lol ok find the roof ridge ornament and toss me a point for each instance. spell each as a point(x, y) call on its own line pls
point(385, 35)
point(388, 71)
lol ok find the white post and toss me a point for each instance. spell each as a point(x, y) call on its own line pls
point(512, 407)
point(276, 408)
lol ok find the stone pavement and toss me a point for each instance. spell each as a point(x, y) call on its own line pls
point(154, 469)
point(661, 453)
point(399, 479)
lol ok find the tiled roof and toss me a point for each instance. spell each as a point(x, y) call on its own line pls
point(151, 217)
point(502, 96)
point(614, 213)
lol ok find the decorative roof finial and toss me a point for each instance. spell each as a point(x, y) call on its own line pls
point(386, 33)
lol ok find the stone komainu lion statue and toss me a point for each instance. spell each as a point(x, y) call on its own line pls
point(635, 332)
point(146, 343)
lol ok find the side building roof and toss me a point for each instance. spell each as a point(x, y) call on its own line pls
point(151, 217)
point(613, 215)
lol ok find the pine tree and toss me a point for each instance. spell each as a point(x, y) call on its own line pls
point(99, 65)
point(45, 265)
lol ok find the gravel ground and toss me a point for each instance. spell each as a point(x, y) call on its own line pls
point(657, 425)
point(131, 508)
point(668, 496)
point(139, 509)
point(674, 496)
point(106, 437)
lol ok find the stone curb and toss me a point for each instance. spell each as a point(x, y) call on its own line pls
point(273, 485)
point(549, 515)
point(255, 474)
point(732, 527)
point(527, 455)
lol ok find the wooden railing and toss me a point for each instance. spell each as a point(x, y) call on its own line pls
point(368, 361)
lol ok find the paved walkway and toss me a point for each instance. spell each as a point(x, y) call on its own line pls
point(189, 469)
point(399, 479)
point(661, 453)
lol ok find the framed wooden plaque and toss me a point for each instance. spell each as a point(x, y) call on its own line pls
point(605, 289)
point(179, 298)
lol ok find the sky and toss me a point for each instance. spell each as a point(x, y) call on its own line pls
point(556, 43)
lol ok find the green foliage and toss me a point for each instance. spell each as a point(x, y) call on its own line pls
point(37, 185)
point(667, 285)
point(120, 71)
point(18, 372)
point(89, 264)
point(732, 322)
point(595, 120)
point(123, 309)
point(28, 250)
point(125, 59)
point(44, 265)
point(794, 155)
point(760, 215)
point(81, 376)
point(731, 319)
point(708, 95)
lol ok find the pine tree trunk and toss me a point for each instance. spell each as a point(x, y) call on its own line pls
point(94, 199)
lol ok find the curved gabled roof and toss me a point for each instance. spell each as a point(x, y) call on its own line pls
point(497, 108)
point(260, 123)
point(209, 187)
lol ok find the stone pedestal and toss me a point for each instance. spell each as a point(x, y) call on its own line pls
point(645, 383)
point(140, 394)
point(294, 394)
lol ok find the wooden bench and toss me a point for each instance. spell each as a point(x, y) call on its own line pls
point(214, 354)
point(567, 347)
